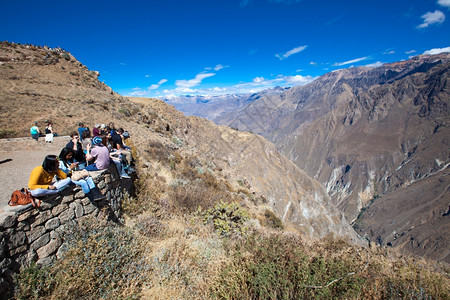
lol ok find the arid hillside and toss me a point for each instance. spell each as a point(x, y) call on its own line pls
point(49, 84)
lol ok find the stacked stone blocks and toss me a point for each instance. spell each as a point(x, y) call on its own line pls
point(31, 234)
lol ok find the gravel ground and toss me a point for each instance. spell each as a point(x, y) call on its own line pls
point(16, 166)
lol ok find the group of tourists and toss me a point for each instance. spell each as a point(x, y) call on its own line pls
point(84, 152)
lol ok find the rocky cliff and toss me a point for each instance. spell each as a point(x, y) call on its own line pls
point(378, 140)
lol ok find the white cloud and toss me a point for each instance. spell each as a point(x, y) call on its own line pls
point(182, 83)
point(389, 52)
point(445, 3)
point(350, 61)
point(299, 79)
point(437, 51)
point(313, 63)
point(147, 76)
point(155, 86)
point(259, 79)
point(218, 67)
point(291, 52)
point(410, 52)
point(430, 18)
point(374, 65)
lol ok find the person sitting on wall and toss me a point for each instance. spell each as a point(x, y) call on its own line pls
point(117, 144)
point(41, 178)
point(77, 148)
point(34, 130)
point(68, 165)
point(85, 140)
point(96, 130)
point(99, 155)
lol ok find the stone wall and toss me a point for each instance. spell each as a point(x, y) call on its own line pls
point(36, 234)
point(27, 143)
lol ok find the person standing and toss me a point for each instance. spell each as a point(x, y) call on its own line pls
point(49, 133)
point(81, 129)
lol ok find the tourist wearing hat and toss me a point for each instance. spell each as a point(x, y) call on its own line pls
point(99, 154)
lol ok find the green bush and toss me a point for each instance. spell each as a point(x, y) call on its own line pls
point(227, 218)
point(35, 282)
point(278, 267)
point(7, 133)
point(271, 220)
point(102, 262)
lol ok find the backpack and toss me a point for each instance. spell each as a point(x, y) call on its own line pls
point(23, 197)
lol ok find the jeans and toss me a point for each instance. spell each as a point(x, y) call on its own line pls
point(86, 184)
point(92, 167)
point(60, 184)
point(119, 168)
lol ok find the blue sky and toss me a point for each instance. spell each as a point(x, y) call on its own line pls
point(173, 47)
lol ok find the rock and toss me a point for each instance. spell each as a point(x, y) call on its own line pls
point(67, 215)
point(42, 218)
point(16, 239)
point(52, 224)
point(47, 261)
point(49, 249)
point(41, 242)
point(8, 219)
point(60, 208)
point(35, 233)
point(27, 215)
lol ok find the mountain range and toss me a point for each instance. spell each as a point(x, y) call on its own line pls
point(376, 138)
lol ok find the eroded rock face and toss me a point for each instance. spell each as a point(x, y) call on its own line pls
point(369, 133)
point(300, 201)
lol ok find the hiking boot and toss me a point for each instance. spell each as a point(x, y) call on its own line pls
point(99, 197)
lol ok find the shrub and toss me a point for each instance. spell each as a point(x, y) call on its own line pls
point(7, 133)
point(102, 262)
point(271, 220)
point(227, 218)
point(34, 282)
point(150, 188)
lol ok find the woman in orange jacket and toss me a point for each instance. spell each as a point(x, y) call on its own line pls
point(41, 178)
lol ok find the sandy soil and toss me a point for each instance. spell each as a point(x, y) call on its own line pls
point(15, 168)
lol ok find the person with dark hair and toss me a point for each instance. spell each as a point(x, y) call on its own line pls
point(117, 144)
point(49, 133)
point(68, 165)
point(81, 129)
point(77, 148)
point(41, 178)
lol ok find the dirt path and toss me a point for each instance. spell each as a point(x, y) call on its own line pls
point(16, 166)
